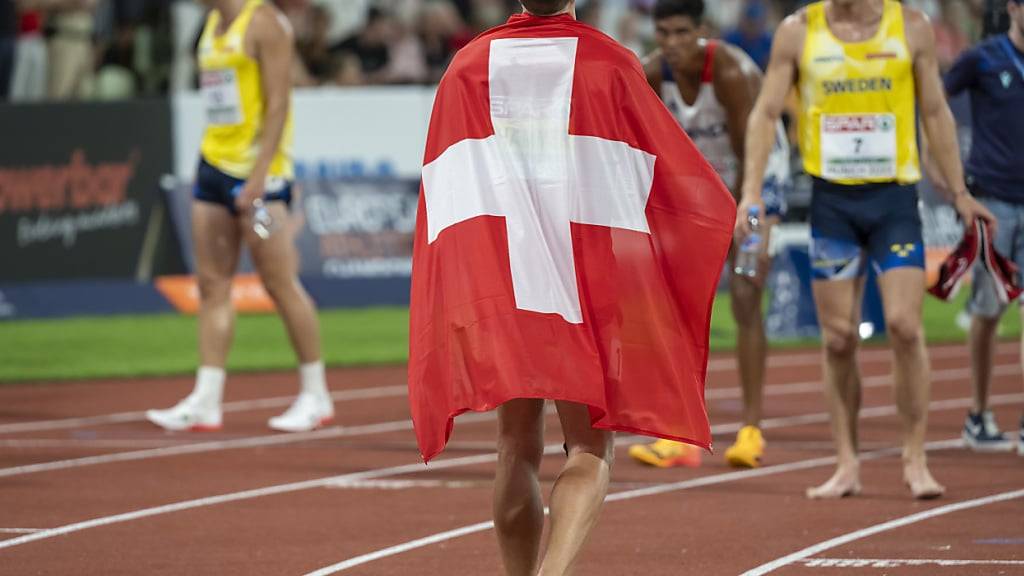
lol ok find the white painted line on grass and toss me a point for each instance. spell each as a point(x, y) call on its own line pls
point(710, 480)
point(899, 562)
point(237, 406)
point(883, 527)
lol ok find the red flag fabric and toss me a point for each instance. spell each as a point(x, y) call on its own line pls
point(568, 243)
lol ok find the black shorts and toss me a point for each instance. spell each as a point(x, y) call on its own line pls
point(215, 186)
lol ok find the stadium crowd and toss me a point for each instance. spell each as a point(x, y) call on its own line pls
point(111, 49)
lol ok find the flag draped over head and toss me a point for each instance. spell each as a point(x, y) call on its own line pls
point(568, 243)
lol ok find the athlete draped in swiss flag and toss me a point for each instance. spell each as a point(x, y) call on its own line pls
point(568, 245)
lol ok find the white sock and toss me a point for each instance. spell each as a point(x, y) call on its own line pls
point(209, 385)
point(313, 379)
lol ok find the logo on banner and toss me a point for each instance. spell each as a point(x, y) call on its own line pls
point(70, 199)
point(363, 229)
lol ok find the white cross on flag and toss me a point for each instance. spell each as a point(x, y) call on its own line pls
point(569, 239)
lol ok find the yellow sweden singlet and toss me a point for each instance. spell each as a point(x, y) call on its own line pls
point(232, 92)
point(858, 111)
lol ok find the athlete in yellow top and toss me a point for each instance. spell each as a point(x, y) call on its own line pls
point(243, 188)
point(864, 69)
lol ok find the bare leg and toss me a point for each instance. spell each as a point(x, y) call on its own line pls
point(579, 491)
point(903, 296)
point(277, 262)
point(751, 344)
point(216, 237)
point(983, 336)
point(518, 508)
point(838, 305)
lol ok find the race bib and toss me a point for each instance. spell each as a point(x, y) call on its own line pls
point(858, 146)
point(221, 96)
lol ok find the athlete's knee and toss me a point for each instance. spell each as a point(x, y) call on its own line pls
point(904, 329)
point(521, 432)
point(278, 286)
point(213, 288)
point(520, 446)
point(841, 340)
point(597, 443)
point(745, 302)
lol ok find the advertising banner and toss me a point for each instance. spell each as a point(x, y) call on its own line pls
point(78, 191)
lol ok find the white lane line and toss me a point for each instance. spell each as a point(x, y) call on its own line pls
point(237, 406)
point(440, 464)
point(898, 562)
point(410, 545)
point(407, 546)
point(714, 365)
point(88, 443)
point(713, 479)
point(883, 527)
point(19, 530)
point(866, 382)
point(401, 425)
point(218, 445)
point(869, 355)
point(404, 484)
point(250, 494)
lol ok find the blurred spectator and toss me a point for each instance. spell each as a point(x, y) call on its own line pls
point(442, 32)
point(406, 60)
point(950, 38)
point(752, 35)
point(29, 82)
point(363, 57)
point(628, 32)
point(8, 38)
point(313, 46)
point(69, 27)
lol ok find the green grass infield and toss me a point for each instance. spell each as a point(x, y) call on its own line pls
point(161, 344)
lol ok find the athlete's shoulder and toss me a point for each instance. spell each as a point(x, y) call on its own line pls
point(268, 21)
point(789, 36)
point(731, 59)
point(918, 31)
point(915, 21)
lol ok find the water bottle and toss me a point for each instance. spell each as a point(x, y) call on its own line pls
point(262, 222)
point(750, 249)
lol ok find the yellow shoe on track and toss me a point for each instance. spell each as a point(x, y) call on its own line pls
point(748, 449)
point(666, 454)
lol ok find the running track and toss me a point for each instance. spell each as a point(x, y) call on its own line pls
point(88, 487)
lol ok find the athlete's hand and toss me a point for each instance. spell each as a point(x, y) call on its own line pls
point(253, 190)
point(970, 209)
point(742, 223)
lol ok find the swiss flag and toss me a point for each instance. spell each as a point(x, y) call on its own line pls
point(568, 243)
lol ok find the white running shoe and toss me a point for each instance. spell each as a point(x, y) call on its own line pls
point(308, 412)
point(189, 414)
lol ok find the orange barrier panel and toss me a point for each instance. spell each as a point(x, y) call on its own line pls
point(247, 293)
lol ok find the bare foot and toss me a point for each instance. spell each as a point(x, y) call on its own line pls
point(845, 482)
point(920, 481)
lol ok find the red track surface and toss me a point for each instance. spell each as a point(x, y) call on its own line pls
point(722, 522)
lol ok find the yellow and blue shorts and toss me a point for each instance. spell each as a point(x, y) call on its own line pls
point(854, 225)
